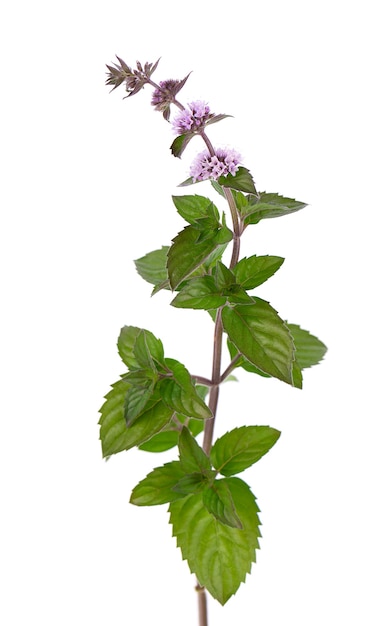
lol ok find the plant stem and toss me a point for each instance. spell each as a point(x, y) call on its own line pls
point(215, 380)
point(216, 377)
point(202, 603)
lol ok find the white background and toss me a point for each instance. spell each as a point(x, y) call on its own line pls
point(86, 185)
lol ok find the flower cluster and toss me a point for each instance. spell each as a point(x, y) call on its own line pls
point(225, 161)
point(165, 94)
point(134, 79)
point(193, 118)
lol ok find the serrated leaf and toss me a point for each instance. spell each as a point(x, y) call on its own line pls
point(194, 208)
point(220, 556)
point(262, 337)
point(157, 487)
point(218, 501)
point(114, 434)
point(249, 367)
point(199, 293)
point(224, 277)
point(179, 393)
point(240, 448)
point(126, 345)
point(242, 180)
point(138, 395)
point(243, 362)
point(192, 456)
point(268, 205)
point(188, 252)
point(165, 440)
point(152, 266)
point(148, 350)
point(252, 271)
point(191, 483)
point(309, 349)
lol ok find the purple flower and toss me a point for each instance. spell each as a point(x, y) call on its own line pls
point(164, 95)
point(193, 118)
point(225, 161)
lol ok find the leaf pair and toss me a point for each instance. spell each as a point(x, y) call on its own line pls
point(224, 286)
point(215, 520)
point(146, 399)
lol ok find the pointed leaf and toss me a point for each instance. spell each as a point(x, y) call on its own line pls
point(218, 500)
point(309, 349)
point(192, 456)
point(191, 483)
point(217, 118)
point(262, 337)
point(114, 434)
point(199, 293)
point(194, 208)
point(243, 362)
point(157, 487)
point(220, 556)
point(255, 270)
point(240, 448)
point(126, 345)
point(179, 393)
point(242, 181)
point(249, 367)
point(148, 350)
point(165, 440)
point(187, 252)
point(152, 266)
point(268, 205)
point(140, 391)
point(180, 143)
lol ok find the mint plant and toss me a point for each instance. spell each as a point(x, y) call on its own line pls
point(157, 404)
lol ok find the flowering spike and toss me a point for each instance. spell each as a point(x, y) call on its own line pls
point(194, 118)
point(225, 161)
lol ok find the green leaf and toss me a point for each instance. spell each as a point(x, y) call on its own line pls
point(219, 555)
point(148, 351)
point(179, 393)
point(240, 448)
point(195, 208)
point(188, 252)
point(114, 434)
point(199, 293)
point(218, 188)
point(268, 205)
point(255, 270)
point(192, 456)
point(191, 483)
point(242, 181)
point(224, 277)
point(309, 349)
point(165, 440)
point(243, 362)
point(157, 487)
point(152, 266)
point(262, 337)
point(219, 502)
point(180, 143)
point(217, 118)
point(138, 395)
point(126, 345)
